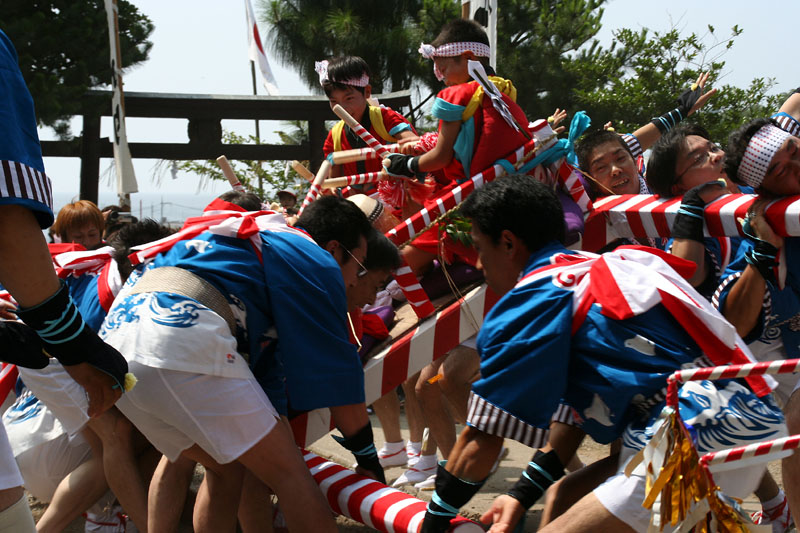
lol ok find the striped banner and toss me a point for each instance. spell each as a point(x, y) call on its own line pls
point(406, 356)
point(646, 215)
point(372, 503)
point(413, 291)
point(414, 225)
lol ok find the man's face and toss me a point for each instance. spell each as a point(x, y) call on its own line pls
point(613, 168)
point(351, 100)
point(783, 173)
point(495, 261)
point(366, 288)
point(699, 161)
point(351, 262)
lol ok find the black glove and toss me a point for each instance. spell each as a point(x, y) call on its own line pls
point(763, 256)
point(543, 470)
point(404, 166)
point(65, 336)
point(686, 102)
point(689, 220)
point(362, 446)
point(21, 346)
point(451, 493)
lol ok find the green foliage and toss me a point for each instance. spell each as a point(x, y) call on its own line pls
point(63, 50)
point(265, 178)
point(642, 75)
point(383, 33)
point(534, 40)
point(458, 227)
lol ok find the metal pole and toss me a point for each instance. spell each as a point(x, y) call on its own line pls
point(258, 132)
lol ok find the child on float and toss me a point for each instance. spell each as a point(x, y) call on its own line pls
point(346, 82)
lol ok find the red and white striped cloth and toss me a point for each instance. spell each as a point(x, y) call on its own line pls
point(373, 503)
point(413, 291)
point(413, 225)
point(645, 215)
point(407, 355)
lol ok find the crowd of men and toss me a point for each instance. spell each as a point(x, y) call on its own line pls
point(144, 352)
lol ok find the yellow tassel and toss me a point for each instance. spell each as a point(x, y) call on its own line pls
point(130, 381)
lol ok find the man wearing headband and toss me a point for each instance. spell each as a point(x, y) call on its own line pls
point(560, 334)
point(466, 116)
point(345, 81)
point(759, 293)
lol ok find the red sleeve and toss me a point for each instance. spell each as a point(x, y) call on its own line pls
point(458, 94)
point(327, 147)
point(392, 118)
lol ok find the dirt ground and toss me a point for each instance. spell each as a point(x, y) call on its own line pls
point(507, 473)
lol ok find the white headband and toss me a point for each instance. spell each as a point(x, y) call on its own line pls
point(322, 69)
point(453, 49)
point(759, 153)
point(429, 51)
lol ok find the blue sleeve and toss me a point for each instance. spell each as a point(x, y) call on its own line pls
point(400, 127)
point(524, 346)
point(444, 110)
point(728, 280)
point(307, 296)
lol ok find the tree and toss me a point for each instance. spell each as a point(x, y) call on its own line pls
point(534, 41)
point(382, 33)
point(265, 178)
point(533, 36)
point(63, 50)
point(642, 75)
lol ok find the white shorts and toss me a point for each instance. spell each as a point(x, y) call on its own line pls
point(9, 472)
point(44, 466)
point(60, 393)
point(175, 410)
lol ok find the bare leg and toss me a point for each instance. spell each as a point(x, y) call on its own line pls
point(585, 516)
point(414, 418)
point(437, 418)
point(255, 506)
point(567, 491)
point(791, 465)
point(120, 465)
point(218, 496)
point(387, 408)
point(78, 491)
point(167, 494)
point(460, 368)
point(276, 461)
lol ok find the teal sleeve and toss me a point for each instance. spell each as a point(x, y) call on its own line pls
point(444, 110)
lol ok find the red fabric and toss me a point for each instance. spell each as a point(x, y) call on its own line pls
point(372, 325)
point(391, 118)
point(357, 331)
point(487, 123)
point(8, 379)
point(221, 205)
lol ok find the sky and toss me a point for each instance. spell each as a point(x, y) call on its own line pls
point(200, 47)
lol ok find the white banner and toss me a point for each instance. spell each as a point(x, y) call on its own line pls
point(126, 179)
point(257, 54)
